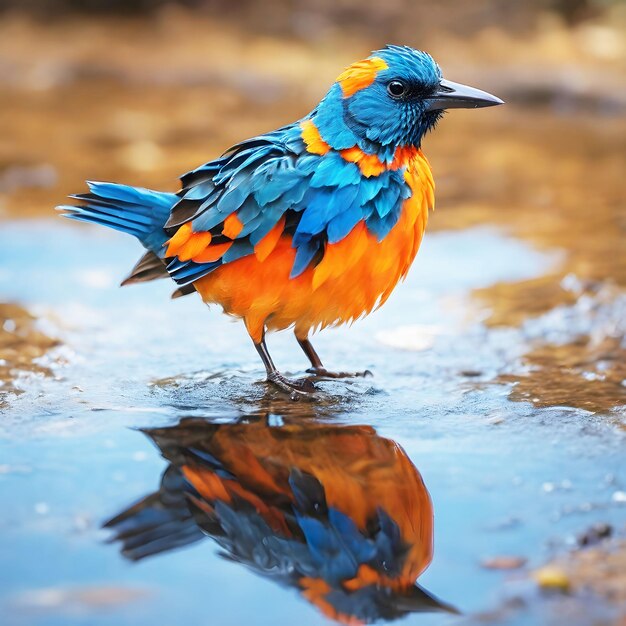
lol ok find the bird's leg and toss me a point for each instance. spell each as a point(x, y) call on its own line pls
point(295, 388)
point(318, 369)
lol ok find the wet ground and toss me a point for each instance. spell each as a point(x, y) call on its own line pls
point(499, 365)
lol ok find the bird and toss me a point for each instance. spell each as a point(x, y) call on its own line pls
point(305, 227)
point(334, 511)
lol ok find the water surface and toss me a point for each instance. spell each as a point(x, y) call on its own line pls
point(505, 477)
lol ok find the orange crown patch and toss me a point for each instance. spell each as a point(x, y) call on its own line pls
point(360, 75)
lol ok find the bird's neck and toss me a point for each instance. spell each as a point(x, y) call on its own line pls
point(341, 129)
point(371, 162)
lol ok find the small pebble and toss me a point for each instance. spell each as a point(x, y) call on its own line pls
point(552, 577)
point(594, 534)
point(503, 562)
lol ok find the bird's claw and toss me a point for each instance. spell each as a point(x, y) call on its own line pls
point(298, 388)
point(322, 372)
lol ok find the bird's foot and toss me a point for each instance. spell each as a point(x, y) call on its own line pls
point(298, 388)
point(322, 372)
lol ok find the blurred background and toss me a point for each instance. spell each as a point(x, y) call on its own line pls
point(524, 275)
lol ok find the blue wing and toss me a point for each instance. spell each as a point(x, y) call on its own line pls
point(271, 177)
point(260, 180)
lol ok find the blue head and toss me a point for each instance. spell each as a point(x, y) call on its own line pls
point(391, 99)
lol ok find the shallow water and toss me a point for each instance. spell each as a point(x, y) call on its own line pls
point(505, 477)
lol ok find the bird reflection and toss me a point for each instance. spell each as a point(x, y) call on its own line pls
point(335, 511)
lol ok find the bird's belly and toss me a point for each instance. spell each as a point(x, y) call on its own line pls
point(355, 275)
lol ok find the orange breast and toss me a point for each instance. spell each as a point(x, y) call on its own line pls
point(355, 275)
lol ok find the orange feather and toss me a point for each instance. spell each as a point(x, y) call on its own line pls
point(360, 75)
point(369, 164)
point(312, 138)
point(263, 249)
point(212, 253)
point(232, 226)
point(196, 243)
point(179, 238)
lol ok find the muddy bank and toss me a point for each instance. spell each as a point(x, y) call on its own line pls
point(22, 348)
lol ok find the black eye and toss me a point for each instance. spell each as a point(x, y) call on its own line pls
point(397, 89)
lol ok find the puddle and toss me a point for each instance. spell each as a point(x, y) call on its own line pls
point(441, 400)
point(132, 339)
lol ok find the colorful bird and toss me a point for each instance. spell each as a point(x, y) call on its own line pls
point(308, 226)
point(336, 512)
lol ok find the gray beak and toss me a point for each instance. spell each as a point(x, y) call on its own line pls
point(456, 96)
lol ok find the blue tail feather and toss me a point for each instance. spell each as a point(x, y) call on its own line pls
point(133, 210)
